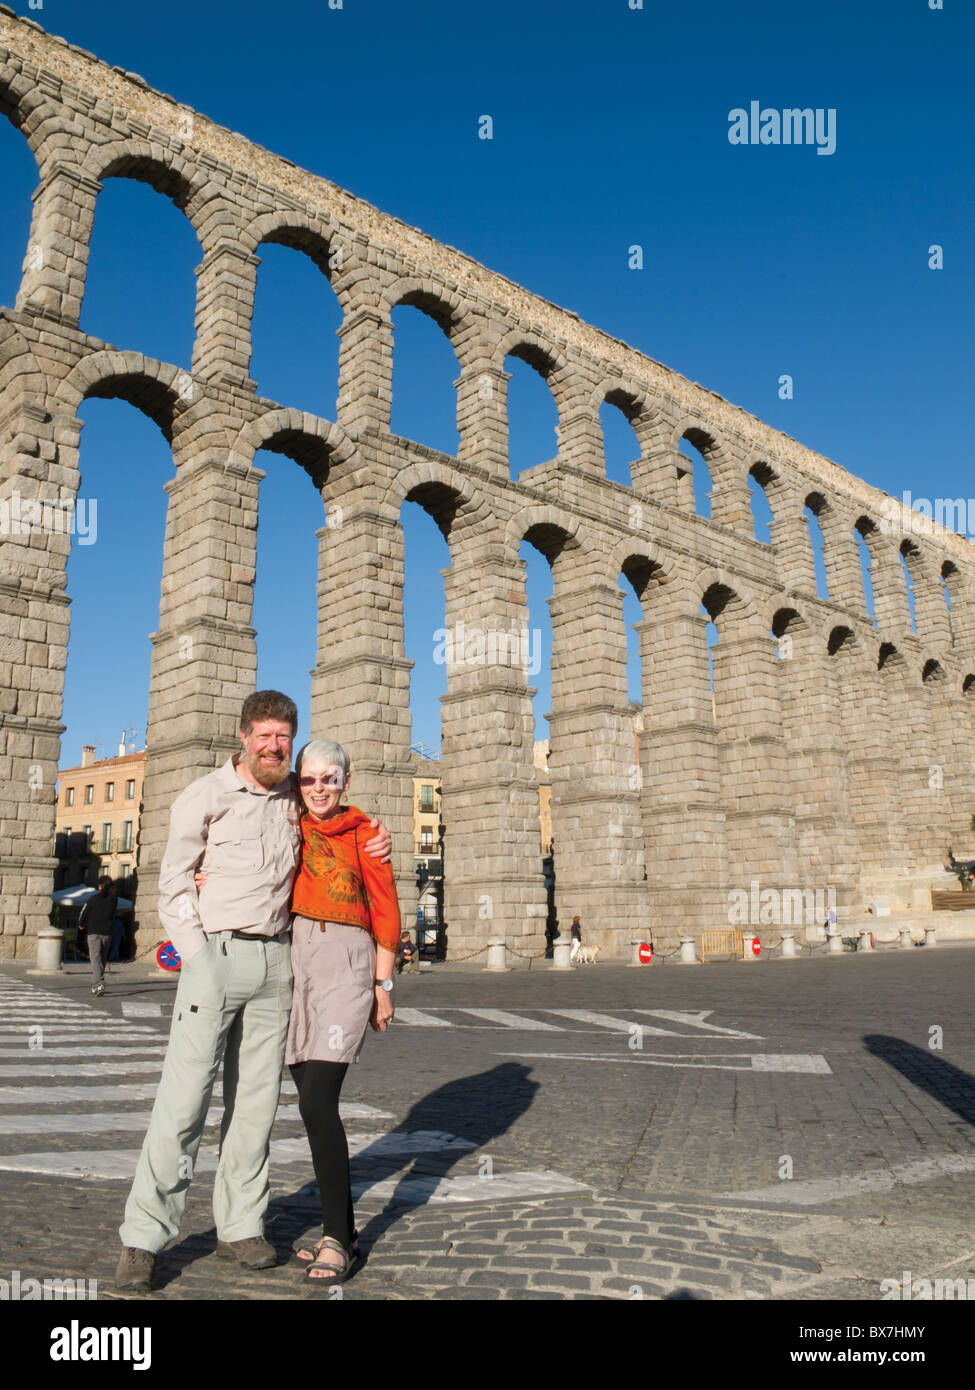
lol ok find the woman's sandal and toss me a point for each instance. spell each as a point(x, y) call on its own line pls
point(310, 1250)
point(338, 1274)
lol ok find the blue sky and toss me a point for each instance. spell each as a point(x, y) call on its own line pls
point(610, 129)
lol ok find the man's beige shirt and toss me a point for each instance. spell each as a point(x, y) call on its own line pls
point(246, 841)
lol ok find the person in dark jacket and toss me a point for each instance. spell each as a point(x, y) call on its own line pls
point(97, 917)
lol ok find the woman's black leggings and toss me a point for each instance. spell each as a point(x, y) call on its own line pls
point(319, 1084)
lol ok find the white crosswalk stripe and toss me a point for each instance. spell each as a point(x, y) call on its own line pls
point(509, 1020)
point(74, 1052)
point(618, 1025)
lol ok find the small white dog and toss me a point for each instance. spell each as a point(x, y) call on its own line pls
point(587, 954)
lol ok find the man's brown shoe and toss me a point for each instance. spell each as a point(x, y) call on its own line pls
point(136, 1270)
point(253, 1253)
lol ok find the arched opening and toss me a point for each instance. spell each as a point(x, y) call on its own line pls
point(426, 518)
point(425, 369)
point(621, 447)
point(18, 177)
point(140, 291)
point(862, 530)
point(533, 416)
point(694, 483)
point(295, 359)
point(285, 614)
point(949, 576)
point(910, 556)
point(813, 510)
point(114, 572)
point(760, 479)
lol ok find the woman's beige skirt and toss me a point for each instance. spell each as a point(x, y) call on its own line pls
point(335, 972)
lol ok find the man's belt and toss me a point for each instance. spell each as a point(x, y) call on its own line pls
point(249, 936)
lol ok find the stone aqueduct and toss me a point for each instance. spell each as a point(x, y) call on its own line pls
point(810, 771)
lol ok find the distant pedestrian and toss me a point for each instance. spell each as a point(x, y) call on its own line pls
point(407, 956)
point(576, 938)
point(97, 917)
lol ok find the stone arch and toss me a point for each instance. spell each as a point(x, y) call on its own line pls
point(721, 593)
point(449, 311)
point(315, 445)
point(19, 367)
point(315, 238)
point(191, 191)
point(721, 465)
point(443, 494)
point(842, 641)
point(30, 112)
point(642, 413)
point(645, 566)
point(152, 387)
point(550, 530)
point(933, 673)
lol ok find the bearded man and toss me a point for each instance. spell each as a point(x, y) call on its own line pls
point(240, 826)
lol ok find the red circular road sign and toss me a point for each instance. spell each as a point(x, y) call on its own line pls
point(168, 957)
point(645, 953)
point(756, 947)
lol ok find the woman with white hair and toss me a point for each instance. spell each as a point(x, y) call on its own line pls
point(344, 935)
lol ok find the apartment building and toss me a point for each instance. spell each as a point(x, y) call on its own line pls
point(97, 822)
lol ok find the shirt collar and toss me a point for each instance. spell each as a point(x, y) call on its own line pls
point(231, 779)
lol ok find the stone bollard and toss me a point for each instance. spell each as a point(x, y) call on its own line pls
point(688, 956)
point(930, 936)
point(50, 942)
point(835, 946)
point(788, 945)
point(866, 941)
point(906, 940)
point(748, 939)
point(496, 954)
point(560, 955)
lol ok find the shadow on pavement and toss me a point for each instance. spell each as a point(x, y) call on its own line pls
point(954, 1088)
point(478, 1109)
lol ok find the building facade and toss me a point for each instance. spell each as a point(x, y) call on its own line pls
point(97, 820)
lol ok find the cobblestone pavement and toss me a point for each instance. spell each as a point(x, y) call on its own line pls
point(780, 1130)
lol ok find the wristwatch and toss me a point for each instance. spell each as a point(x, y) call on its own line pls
point(387, 985)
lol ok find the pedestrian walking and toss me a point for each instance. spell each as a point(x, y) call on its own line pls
point(97, 917)
point(239, 824)
point(576, 938)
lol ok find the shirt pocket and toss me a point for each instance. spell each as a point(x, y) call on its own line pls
point(231, 850)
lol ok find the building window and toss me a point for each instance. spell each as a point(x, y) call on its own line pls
point(106, 838)
point(426, 798)
point(89, 795)
point(126, 844)
point(109, 791)
point(130, 789)
point(86, 838)
point(69, 797)
point(426, 838)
